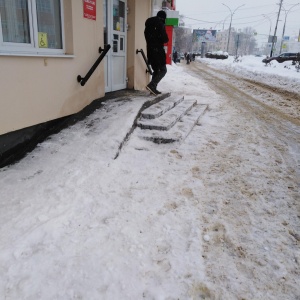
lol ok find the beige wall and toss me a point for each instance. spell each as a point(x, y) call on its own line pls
point(139, 11)
point(37, 89)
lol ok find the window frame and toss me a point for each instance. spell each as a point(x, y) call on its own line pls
point(32, 47)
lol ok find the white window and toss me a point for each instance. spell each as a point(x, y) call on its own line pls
point(31, 26)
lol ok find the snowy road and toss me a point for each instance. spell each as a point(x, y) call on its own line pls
point(273, 111)
point(273, 97)
point(255, 172)
point(215, 217)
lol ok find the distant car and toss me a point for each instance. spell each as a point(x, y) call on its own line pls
point(208, 55)
point(282, 57)
point(217, 55)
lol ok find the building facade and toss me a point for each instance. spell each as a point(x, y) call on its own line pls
point(48, 47)
point(45, 45)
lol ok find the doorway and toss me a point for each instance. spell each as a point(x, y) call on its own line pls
point(115, 34)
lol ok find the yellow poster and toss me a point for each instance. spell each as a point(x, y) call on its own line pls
point(43, 40)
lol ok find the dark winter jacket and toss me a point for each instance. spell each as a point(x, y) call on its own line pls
point(156, 37)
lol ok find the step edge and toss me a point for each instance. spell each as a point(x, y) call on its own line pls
point(149, 115)
point(145, 125)
point(161, 139)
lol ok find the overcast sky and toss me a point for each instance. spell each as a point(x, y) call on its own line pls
point(206, 14)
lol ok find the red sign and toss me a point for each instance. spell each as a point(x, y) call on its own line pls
point(168, 46)
point(89, 9)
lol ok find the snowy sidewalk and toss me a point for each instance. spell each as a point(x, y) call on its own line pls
point(76, 223)
point(211, 217)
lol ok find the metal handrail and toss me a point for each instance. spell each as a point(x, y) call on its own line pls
point(146, 61)
point(84, 79)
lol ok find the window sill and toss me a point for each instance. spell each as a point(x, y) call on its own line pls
point(37, 55)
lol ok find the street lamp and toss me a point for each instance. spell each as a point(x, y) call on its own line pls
point(270, 25)
point(222, 21)
point(286, 13)
point(231, 15)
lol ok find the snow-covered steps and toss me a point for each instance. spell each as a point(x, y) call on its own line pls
point(170, 120)
point(161, 107)
point(167, 116)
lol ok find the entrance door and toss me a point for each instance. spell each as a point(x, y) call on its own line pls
point(115, 34)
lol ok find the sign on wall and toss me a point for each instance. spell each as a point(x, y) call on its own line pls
point(272, 38)
point(43, 40)
point(89, 9)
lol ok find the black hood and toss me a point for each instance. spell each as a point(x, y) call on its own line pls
point(162, 14)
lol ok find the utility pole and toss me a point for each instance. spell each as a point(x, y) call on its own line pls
point(286, 13)
point(273, 39)
point(237, 46)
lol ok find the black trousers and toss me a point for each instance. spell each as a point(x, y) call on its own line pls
point(159, 73)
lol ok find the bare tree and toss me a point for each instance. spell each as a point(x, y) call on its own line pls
point(245, 42)
point(182, 37)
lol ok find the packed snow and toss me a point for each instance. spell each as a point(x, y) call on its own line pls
point(214, 217)
point(251, 67)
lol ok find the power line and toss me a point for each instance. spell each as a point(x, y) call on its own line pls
point(254, 23)
point(219, 21)
point(221, 11)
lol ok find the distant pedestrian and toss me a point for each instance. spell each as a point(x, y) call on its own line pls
point(156, 36)
point(188, 58)
point(175, 57)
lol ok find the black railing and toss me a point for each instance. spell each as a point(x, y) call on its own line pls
point(146, 61)
point(84, 79)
